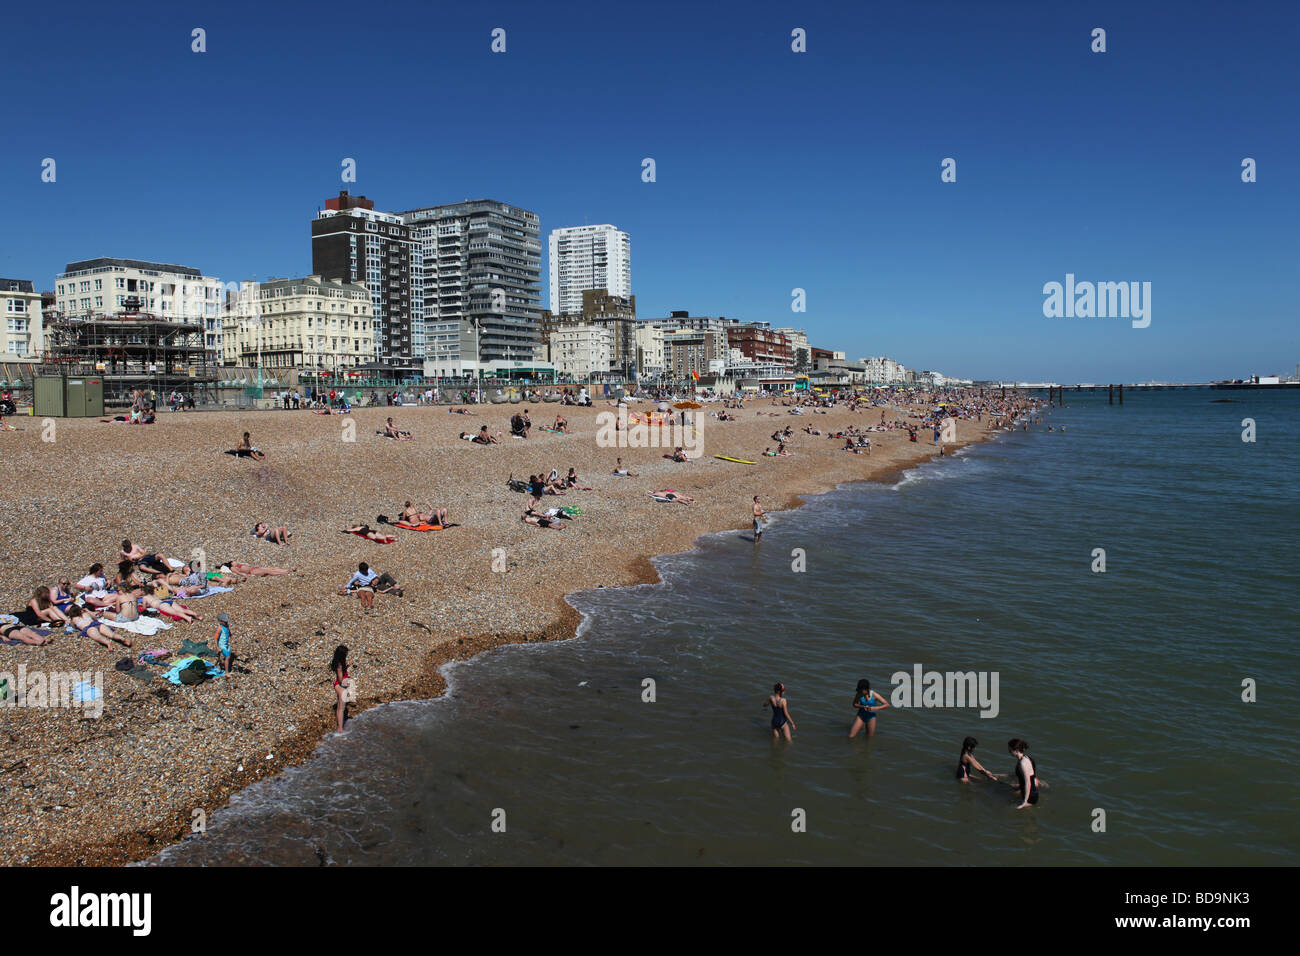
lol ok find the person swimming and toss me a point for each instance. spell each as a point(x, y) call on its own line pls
point(867, 702)
point(967, 762)
point(782, 722)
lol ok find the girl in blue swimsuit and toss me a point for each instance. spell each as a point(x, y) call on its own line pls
point(866, 701)
point(782, 722)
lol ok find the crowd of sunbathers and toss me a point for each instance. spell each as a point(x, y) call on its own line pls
point(100, 607)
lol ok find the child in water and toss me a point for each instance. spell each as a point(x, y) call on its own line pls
point(782, 722)
point(967, 762)
point(866, 701)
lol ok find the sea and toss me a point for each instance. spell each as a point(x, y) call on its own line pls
point(1129, 577)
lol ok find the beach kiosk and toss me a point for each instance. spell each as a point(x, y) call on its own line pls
point(68, 396)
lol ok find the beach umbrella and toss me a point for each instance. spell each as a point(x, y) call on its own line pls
point(687, 405)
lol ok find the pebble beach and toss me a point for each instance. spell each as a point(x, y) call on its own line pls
point(83, 790)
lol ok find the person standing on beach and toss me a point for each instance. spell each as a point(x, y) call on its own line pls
point(223, 641)
point(759, 514)
point(866, 701)
point(782, 722)
point(344, 689)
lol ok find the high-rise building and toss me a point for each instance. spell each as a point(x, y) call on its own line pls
point(169, 292)
point(22, 337)
point(588, 257)
point(352, 242)
point(481, 264)
point(309, 323)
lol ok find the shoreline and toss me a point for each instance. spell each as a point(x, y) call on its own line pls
point(136, 840)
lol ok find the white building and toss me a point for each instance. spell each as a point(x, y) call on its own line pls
point(174, 293)
point(582, 350)
point(885, 371)
point(649, 350)
point(306, 323)
point(23, 330)
point(588, 257)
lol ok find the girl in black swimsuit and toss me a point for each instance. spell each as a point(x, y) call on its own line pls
point(967, 762)
point(782, 722)
point(1026, 773)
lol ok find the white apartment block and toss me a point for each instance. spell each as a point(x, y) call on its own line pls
point(22, 340)
point(306, 323)
point(885, 371)
point(649, 350)
point(582, 350)
point(175, 293)
point(588, 257)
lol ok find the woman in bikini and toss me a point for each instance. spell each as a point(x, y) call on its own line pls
point(542, 521)
point(430, 515)
point(342, 682)
point(252, 570)
point(168, 607)
point(87, 625)
point(370, 534)
point(276, 535)
point(23, 634)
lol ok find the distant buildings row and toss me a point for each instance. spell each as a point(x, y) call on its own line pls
point(440, 292)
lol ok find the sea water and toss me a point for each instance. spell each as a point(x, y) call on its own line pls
point(644, 740)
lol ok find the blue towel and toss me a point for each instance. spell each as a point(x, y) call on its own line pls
point(212, 589)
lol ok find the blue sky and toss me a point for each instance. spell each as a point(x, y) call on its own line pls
point(775, 170)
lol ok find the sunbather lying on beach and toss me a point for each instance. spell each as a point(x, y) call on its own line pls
point(168, 607)
point(87, 625)
point(429, 515)
point(23, 634)
point(253, 570)
point(276, 534)
point(541, 520)
point(667, 494)
point(365, 531)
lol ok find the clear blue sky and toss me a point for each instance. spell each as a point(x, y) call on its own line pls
point(776, 170)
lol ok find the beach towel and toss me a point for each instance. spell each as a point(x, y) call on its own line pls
point(210, 590)
point(174, 675)
point(148, 626)
point(196, 649)
point(415, 527)
point(360, 535)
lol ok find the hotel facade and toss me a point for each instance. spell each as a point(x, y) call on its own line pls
point(307, 323)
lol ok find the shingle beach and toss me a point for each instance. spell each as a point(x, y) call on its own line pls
point(109, 790)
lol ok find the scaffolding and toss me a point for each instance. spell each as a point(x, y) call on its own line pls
point(130, 351)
